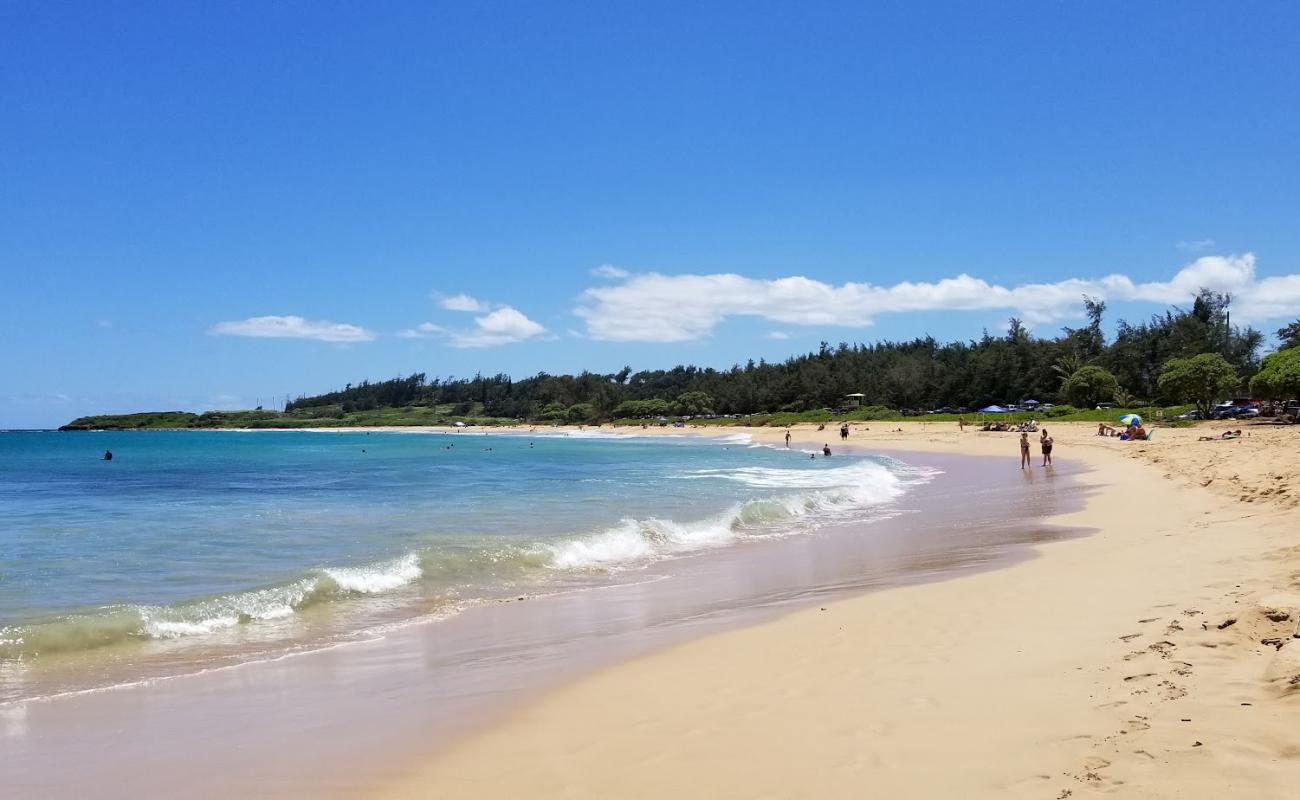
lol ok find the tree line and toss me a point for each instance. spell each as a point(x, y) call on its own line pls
point(1193, 354)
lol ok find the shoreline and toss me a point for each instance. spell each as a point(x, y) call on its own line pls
point(1106, 662)
point(473, 668)
point(970, 685)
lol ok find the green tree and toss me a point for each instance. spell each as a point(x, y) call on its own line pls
point(1290, 335)
point(580, 413)
point(1089, 386)
point(694, 404)
point(554, 411)
point(1201, 379)
point(1067, 365)
point(1279, 376)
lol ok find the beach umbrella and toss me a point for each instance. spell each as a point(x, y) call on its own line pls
point(1130, 419)
point(993, 410)
point(458, 424)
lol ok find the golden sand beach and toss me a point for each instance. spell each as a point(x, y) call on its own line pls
point(1156, 658)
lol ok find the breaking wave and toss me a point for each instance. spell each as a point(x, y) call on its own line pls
point(801, 500)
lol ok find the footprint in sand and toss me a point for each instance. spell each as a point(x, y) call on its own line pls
point(1171, 691)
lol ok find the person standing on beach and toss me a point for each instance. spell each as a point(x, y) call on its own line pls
point(1024, 451)
point(961, 424)
point(1046, 442)
point(787, 438)
point(844, 431)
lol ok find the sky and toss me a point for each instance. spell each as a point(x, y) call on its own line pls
point(210, 205)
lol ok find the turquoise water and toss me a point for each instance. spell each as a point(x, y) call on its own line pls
point(192, 544)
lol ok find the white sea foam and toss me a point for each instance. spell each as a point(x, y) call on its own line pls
point(811, 498)
point(376, 578)
point(640, 540)
point(170, 629)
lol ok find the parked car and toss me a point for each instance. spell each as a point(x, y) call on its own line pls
point(1191, 415)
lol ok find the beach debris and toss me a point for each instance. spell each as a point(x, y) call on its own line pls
point(1227, 623)
point(1197, 744)
point(1128, 637)
point(1274, 643)
point(1277, 615)
point(1149, 619)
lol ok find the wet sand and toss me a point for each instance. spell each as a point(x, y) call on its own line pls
point(351, 719)
point(1155, 658)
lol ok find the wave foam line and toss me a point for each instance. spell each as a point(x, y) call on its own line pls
point(827, 495)
point(117, 624)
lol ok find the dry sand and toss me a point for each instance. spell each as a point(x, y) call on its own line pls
point(1156, 658)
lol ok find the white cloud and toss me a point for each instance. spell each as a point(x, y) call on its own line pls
point(502, 326)
point(293, 328)
point(462, 302)
point(1195, 245)
point(778, 335)
point(610, 271)
point(677, 308)
point(422, 331)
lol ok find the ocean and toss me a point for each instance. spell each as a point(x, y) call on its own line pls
point(197, 549)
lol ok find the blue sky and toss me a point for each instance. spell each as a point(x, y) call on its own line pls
point(203, 205)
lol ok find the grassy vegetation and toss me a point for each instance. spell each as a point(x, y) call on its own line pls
point(317, 417)
point(873, 414)
point(336, 417)
point(128, 422)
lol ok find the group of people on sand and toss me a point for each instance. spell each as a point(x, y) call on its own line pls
point(1130, 433)
point(1044, 443)
point(1024, 427)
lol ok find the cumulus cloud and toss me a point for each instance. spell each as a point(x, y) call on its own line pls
point(676, 308)
point(610, 271)
point(293, 328)
point(422, 331)
point(505, 325)
point(462, 302)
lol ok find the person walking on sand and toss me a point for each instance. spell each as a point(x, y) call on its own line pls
point(1024, 451)
point(787, 438)
point(1046, 442)
point(961, 424)
point(844, 431)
